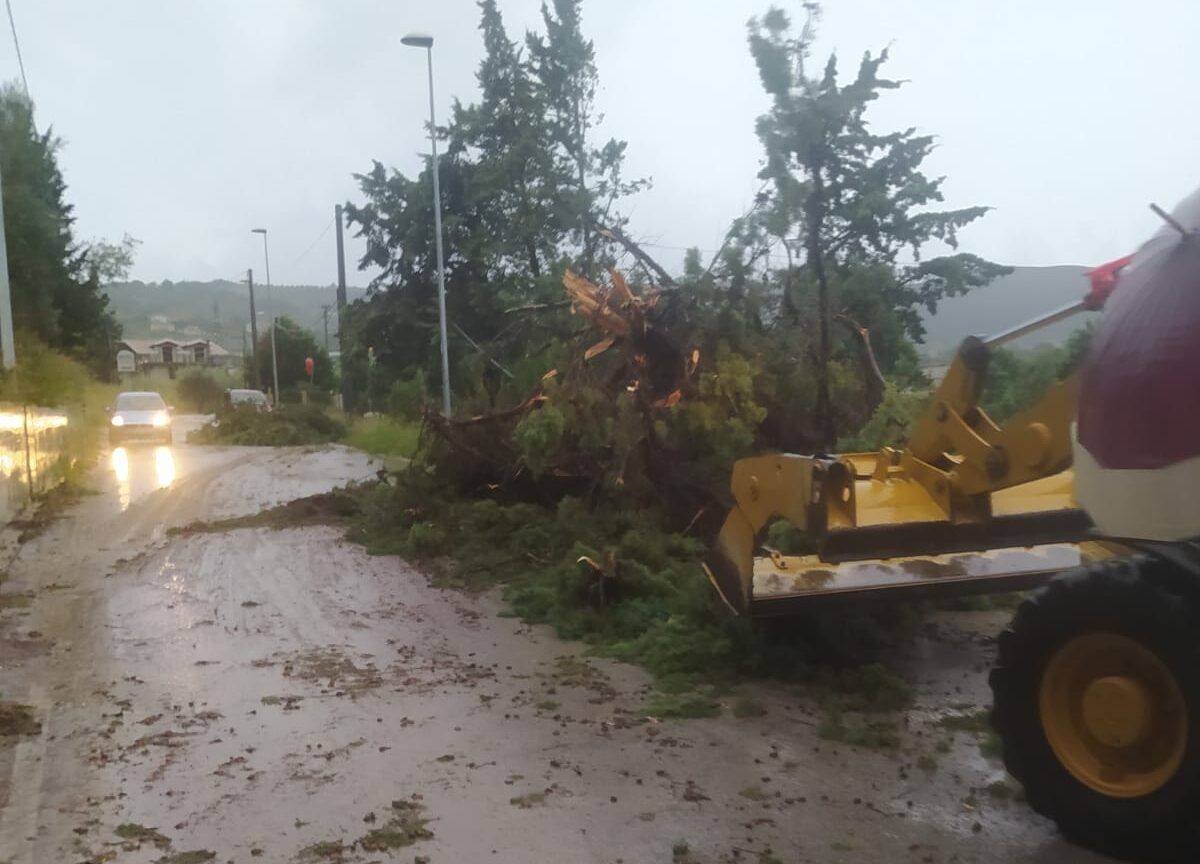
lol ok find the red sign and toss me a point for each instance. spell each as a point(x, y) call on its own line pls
point(308, 366)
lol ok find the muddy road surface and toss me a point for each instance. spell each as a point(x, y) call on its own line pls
point(260, 695)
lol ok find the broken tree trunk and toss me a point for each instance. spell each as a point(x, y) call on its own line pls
point(624, 352)
point(872, 377)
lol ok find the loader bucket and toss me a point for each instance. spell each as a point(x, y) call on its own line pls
point(882, 535)
point(785, 584)
point(765, 488)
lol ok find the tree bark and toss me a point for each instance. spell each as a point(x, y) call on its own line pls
point(585, 216)
point(535, 266)
point(815, 208)
point(872, 376)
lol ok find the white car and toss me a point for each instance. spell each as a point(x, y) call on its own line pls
point(254, 398)
point(139, 416)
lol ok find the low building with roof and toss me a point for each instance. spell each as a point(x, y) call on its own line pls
point(174, 351)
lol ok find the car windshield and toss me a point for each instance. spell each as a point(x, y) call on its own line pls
point(247, 396)
point(140, 402)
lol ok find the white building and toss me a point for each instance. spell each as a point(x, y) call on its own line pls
point(187, 351)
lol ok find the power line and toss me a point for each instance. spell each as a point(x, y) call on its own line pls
point(769, 256)
point(17, 44)
point(312, 245)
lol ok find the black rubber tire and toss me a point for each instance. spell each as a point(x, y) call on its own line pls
point(1128, 596)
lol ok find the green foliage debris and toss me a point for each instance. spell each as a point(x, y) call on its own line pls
point(287, 425)
point(194, 856)
point(141, 834)
point(327, 849)
point(406, 826)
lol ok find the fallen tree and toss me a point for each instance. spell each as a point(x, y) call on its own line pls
point(286, 426)
point(597, 426)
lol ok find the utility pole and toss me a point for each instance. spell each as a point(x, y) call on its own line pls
point(325, 307)
point(8, 351)
point(347, 387)
point(253, 333)
point(270, 314)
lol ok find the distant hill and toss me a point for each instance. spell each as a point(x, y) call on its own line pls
point(218, 310)
point(1024, 294)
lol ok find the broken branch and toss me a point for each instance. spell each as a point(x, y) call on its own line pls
point(640, 254)
point(538, 307)
point(874, 377)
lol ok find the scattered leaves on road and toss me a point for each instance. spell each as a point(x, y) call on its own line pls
point(325, 508)
point(330, 850)
point(141, 834)
point(194, 856)
point(754, 793)
point(406, 826)
point(748, 706)
point(529, 800)
point(17, 719)
point(16, 601)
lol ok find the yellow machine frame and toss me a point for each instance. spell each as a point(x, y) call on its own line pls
point(900, 516)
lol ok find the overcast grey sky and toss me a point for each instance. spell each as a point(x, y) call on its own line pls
point(190, 121)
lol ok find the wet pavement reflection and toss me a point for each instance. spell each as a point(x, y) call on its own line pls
point(31, 443)
point(140, 470)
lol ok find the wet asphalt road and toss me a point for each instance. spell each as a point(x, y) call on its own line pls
point(255, 693)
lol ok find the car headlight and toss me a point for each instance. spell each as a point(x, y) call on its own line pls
point(118, 420)
point(160, 418)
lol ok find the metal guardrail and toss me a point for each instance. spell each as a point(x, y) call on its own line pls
point(33, 441)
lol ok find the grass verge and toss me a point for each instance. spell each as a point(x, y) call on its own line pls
point(384, 436)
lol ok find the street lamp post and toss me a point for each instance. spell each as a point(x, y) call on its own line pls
point(8, 355)
point(270, 312)
point(418, 40)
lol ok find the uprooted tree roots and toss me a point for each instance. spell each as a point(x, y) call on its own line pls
point(592, 426)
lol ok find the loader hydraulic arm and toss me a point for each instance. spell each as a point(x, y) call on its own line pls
point(944, 491)
point(961, 483)
point(960, 455)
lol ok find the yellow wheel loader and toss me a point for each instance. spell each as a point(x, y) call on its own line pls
point(1093, 494)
